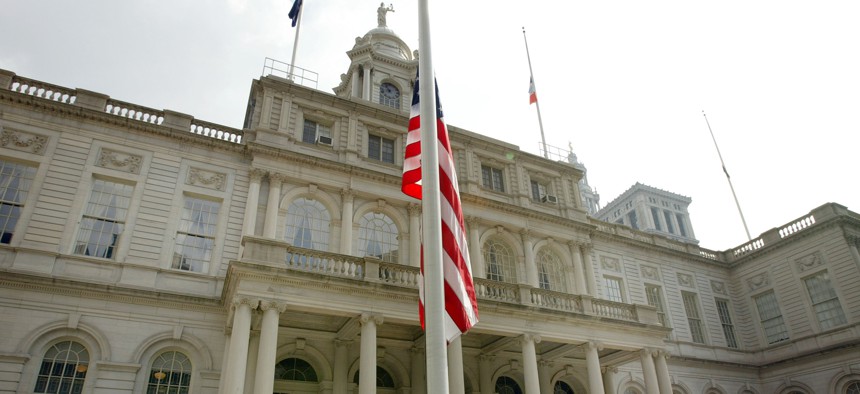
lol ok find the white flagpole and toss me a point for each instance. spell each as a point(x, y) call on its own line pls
point(434, 298)
point(738, 204)
point(537, 103)
point(296, 41)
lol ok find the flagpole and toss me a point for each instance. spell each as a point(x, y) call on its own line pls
point(434, 301)
point(296, 42)
point(749, 238)
point(537, 103)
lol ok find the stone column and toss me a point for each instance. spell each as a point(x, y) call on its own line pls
point(224, 360)
point(253, 202)
point(485, 369)
point(475, 255)
point(589, 272)
point(366, 93)
point(609, 379)
point(346, 221)
point(253, 353)
point(367, 371)
point(354, 90)
point(341, 366)
point(266, 357)
point(578, 270)
point(531, 267)
point(545, 376)
point(417, 361)
point(663, 379)
point(530, 367)
point(648, 372)
point(271, 224)
point(236, 364)
point(592, 360)
point(414, 234)
point(456, 384)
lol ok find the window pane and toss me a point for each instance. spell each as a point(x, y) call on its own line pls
point(613, 289)
point(825, 301)
point(374, 147)
point(726, 320)
point(377, 237)
point(15, 181)
point(309, 132)
point(771, 318)
point(691, 306)
point(388, 150)
point(308, 223)
point(103, 219)
point(195, 238)
point(549, 271)
point(655, 214)
point(63, 369)
point(499, 261)
point(655, 299)
point(170, 373)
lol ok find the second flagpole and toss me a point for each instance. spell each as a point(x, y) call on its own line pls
point(537, 103)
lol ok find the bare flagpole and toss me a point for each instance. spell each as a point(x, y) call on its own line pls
point(434, 299)
point(537, 103)
point(749, 238)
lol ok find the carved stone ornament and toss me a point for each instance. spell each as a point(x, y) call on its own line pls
point(207, 179)
point(649, 272)
point(119, 161)
point(718, 287)
point(21, 141)
point(758, 281)
point(808, 262)
point(610, 263)
point(685, 280)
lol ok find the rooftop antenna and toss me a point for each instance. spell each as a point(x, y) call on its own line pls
point(727, 176)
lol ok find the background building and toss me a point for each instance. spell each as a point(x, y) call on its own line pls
point(144, 250)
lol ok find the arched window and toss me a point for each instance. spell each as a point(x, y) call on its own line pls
point(295, 369)
point(383, 378)
point(64, 369)
point(308, 224)
point(549, 271)
point(562, 388)
point(506, 385)
point(170, 373)
point(377, 237)
point(499, 261)
point(853, 387)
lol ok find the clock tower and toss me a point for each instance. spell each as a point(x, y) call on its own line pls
point(382, 67)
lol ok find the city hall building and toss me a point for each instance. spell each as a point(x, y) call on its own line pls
point(146, 251)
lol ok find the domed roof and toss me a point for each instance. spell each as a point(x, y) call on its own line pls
point(385, 41)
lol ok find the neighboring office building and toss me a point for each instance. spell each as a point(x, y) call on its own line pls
point(144, 250)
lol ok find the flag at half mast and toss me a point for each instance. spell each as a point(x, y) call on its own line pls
point(461, 304)
point(532, 91)
point(294, 11)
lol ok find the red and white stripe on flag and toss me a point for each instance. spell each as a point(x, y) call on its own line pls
point(461, 304)
point(532, 92)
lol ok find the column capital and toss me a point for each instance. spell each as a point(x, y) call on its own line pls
point(597, 345)
point(347, 194)
point(257, 174)
point(276, 178)
point(609, 369)
point(487, 358)
point(648, 352)
point(529, 337)
point(413, 209)
point(473, 220)
point(368, 316)
point(251, 302)
point(278, 306)
point(661, 353)
point(525, 234)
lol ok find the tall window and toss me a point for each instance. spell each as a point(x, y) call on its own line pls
point(613, 289)
point(824, 301)
point(493, 178)
point(295, 369)
point(694, 318)
point(313, 131)
point(655, 299)
point(506, 385)
point(771, 318)
point(655, 214)
point(379, 148)
point(103, 219)
point(549, 271)
point(64, 369)
point(308, 224)
point(499, 261)
point(682, 224)
point(726, 320)
point(669, 226)
point(634, 221)
point(15, 181)
point(196, 235)
point(377, 237)
point(170, 373)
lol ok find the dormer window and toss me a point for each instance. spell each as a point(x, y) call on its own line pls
point(389, 95)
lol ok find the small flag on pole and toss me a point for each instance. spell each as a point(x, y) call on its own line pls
point(294, 12)
point(532, 92)
point(461, 305)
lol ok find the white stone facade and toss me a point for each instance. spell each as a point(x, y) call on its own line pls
point(152, 251)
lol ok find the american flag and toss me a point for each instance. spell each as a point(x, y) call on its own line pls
point(461, 305)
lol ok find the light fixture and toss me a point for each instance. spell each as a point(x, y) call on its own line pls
point(159, 375)
point(81, 368)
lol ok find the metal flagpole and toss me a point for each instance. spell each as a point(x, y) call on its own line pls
point(537, 102)
point(749, 238)
point(434, 299)
point(296, 41)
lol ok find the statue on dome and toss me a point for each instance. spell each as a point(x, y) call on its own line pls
point(380, 13)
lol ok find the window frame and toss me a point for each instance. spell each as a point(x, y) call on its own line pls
point(20, 201)
point(379, 154)
point(693, 311)
point(841, 318)
point(212, 238)
point(726, 322)
point(493, 178)
point(320, 129)
point(777, 318)
point(111, 251)
point(607, 288)
point(656, 300)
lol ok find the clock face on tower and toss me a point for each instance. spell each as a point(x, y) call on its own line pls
point(389, 95)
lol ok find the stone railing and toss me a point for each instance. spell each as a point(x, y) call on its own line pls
point(279, 254)
point(100, 102)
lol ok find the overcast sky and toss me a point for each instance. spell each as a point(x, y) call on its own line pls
point(624, 82)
